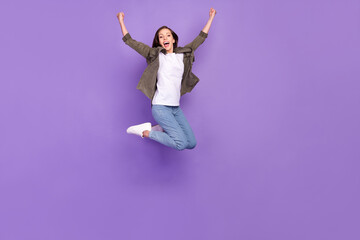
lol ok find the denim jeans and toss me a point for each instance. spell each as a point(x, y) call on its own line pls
point(177, 131)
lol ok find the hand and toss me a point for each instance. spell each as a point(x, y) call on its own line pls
point(120, 16)
point(212, 12)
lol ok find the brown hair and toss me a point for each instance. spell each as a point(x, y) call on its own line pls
point(156, 42)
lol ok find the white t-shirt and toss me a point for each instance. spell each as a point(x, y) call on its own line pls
point(169, 78)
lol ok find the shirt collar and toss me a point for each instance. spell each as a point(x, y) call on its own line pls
point(176, 50)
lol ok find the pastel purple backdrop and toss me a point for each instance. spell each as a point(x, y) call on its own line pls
point(276, 116)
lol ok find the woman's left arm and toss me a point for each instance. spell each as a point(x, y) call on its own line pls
point(203, 33)
point(211, 18)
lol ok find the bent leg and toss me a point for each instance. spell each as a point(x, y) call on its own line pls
point(173, 135)
point(185, 126)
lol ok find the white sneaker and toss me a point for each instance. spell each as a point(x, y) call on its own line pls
point(138, 129)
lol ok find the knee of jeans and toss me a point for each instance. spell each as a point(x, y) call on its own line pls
point(191, 144)
point(181, 145)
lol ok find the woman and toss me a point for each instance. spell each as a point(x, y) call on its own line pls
point(166, 78)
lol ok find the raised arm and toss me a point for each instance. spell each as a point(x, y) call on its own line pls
point(204, 33)
point(120, 17)
point(140, 47)
point(211, 18)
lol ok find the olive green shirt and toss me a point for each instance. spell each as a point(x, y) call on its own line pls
point(148, 80)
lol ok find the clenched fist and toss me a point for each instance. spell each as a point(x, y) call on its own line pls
point(212, 12)
point(120, 16)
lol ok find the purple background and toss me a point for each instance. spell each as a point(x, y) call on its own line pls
point(276, 115)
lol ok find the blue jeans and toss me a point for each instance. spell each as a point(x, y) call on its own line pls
point(177, 131)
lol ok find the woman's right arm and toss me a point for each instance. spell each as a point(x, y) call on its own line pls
point(140, 47)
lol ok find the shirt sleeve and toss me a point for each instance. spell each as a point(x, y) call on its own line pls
point(197, 41)
point(140, 47)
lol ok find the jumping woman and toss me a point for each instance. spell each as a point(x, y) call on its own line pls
point(166, 78)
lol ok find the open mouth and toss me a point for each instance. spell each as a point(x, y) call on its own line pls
point(166, 44)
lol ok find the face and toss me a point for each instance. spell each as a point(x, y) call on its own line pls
point(166, 40)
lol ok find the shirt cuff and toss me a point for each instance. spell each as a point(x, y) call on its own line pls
point(126, 37)
point(203, 34)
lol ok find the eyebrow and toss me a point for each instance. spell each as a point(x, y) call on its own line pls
point(165, 33)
